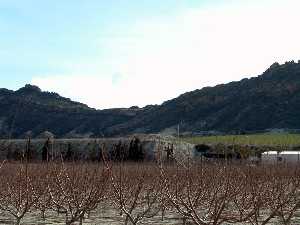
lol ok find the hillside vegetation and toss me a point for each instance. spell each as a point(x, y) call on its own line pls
point(271, 100)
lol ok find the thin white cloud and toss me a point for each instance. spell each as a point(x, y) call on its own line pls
point(198, 47)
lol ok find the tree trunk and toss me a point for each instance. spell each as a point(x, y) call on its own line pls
point(18, 220)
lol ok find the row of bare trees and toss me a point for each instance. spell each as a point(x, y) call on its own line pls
point(232, 194)
point(91, 151)
point(200, 194)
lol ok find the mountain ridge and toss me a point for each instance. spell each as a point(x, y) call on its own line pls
point(271, 100)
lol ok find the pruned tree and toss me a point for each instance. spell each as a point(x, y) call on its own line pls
point(136, 192)
point(77, 190)
point(19, 190)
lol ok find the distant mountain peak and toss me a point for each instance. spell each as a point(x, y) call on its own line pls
point(282, 70)
point(274, 65)
point(28, 88)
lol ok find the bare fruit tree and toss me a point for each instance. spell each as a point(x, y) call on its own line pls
point(77, 190)
point(136, 192)
point(19, 190)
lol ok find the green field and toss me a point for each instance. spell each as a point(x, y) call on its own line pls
point(253, 139)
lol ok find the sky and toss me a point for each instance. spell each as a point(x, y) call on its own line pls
point(122, 53)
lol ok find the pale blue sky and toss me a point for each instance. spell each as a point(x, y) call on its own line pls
point(120, 53)
point(38, 37)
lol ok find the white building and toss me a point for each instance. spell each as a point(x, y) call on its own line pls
point(285, 157)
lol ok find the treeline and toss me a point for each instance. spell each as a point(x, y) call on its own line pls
point(93, 151)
